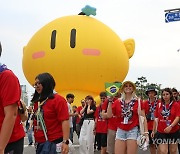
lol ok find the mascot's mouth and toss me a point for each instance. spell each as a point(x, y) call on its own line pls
point(91, 52)
point(38, 54)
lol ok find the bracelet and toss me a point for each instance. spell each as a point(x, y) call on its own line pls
point(146, 133)
point(171, 126)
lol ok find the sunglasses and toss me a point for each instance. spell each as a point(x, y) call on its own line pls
point(36, 84)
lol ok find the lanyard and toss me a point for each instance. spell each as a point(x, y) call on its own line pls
point(39, 114)
point(152, 107)
point(3, 67)
point(127, 107)
point(166, 112)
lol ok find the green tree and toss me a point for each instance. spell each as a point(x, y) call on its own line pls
point(142, 85)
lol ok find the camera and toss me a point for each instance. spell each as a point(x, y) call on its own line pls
point(21, 110)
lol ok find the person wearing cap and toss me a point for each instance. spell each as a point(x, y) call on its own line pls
point(11, 128)
point(150, 106)
point(167, 129)
point(126, 111)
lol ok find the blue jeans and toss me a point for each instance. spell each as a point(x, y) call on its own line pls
point(71, 134)
point(127, 135)
point(29, 133)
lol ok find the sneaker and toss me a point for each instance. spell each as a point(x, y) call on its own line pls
point(31, 143)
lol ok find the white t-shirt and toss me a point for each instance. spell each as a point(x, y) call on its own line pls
point(70, 117)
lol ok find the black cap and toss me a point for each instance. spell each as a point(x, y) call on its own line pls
point(151, 89)
point(0, 49)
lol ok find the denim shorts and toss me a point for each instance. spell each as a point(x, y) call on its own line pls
point(127, 135)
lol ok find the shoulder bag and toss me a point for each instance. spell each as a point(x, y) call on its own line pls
point(141, 140)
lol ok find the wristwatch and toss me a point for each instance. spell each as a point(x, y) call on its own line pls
point(171, 126)
point(65, 142)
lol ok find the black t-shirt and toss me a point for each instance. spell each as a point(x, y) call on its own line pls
point(91, 115)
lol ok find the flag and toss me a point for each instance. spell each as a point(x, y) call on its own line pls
point(112, 88)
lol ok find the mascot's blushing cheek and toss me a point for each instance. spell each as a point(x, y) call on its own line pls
point(91, 52)
point(38, 54)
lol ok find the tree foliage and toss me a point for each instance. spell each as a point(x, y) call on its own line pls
point(142, 85)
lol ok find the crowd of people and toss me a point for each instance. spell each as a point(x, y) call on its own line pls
point(112, 126)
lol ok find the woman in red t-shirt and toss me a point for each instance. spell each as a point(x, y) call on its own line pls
point(126, 111)
point(54, 110)
point(167, 114)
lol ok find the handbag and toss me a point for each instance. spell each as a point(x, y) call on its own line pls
point(46, 147)
point(142, 141)
point(141, 118)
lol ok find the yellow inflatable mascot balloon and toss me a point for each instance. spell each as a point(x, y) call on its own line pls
point(80, 52)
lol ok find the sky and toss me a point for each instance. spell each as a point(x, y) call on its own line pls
point(156, 42)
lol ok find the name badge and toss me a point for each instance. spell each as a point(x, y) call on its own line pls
point(58, 147)
point(167, 122)
point(126, 120)
point(152, 116)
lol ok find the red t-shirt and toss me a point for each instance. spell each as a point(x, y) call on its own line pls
point(55, 111)
point(111, 121)
point(101, 124)
point(10, 93)
point(133, 121)
point(147, 111)
point(79, 108)
point(174, 112)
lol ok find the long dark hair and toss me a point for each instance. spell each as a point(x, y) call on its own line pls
point(91, 98)
point(48, 83)
point(170, 92)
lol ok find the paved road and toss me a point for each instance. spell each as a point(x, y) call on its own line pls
point(31, 150)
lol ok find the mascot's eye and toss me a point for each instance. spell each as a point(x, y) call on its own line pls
point(73, 38)
point(53, 39)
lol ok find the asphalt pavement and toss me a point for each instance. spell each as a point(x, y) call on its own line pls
point(31, 150)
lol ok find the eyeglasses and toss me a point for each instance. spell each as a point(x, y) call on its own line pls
point(36, 84)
